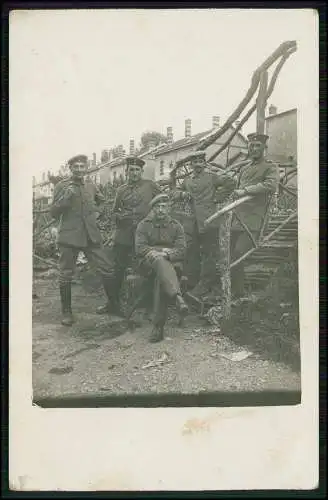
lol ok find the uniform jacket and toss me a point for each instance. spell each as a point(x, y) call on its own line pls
point(76, 212)
point(152, 233)
point(261, 181)
point(203, 189)
point(131, 205)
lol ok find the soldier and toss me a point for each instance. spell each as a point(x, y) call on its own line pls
point(160, 246)
point(260, 180)
point(201, 189)
point(131, 205)
point(75, 207)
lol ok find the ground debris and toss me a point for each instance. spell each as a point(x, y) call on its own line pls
point(163, 359)
point(233, 356)
point(57, 370)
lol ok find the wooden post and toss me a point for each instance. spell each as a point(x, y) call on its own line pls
point(261, 103)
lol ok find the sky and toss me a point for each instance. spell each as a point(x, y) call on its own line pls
point(86, 80)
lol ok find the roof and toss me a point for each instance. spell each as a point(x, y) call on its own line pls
point(195, 139)
point(288, 111)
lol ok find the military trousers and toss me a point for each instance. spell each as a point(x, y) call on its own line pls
point(165, 277)
point(209, 251)
point(96, 255)
point(240, 243)
point(123, 257)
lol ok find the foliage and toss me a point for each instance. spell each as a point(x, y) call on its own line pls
point(149, 138)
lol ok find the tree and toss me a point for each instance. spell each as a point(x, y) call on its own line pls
point(151, 138)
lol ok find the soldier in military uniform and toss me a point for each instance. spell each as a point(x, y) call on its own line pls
point(201, 188)
point(160, 246)
point(131, 205)
point(75, 207)
point(260, 180)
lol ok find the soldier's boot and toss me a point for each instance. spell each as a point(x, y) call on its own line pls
point(66, 304)
point(112, 305)
point(157, 334)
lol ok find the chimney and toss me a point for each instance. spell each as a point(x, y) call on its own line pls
point(188, 128)
point(272, 110)
point(120, 150)
point(132, 147)
point(169, 135)
point(43, 176)
point(215, 121)
point(237, 123)
point(94, 159)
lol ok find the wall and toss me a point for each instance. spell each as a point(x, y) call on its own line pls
point(282, 132)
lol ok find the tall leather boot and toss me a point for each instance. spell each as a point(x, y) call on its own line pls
point(66, 300)
point(112, 293)
point(157, 333)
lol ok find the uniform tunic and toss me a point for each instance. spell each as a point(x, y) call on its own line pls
point(131, 205)
point(155, 234)
point(203, 188)
point(77, 213)
point(260, 180)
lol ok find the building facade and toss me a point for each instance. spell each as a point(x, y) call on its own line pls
point(282, 131)
point(166, 157)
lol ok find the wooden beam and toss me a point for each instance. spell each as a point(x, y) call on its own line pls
point(261, 103)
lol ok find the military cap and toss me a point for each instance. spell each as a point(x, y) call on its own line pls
point(160, 198)
point(254, 137)
point(134, 160)
point(82, 158)
point(195, 155)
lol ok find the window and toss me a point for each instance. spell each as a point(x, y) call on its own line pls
point(161, 168)
point(115, 175)
point(171, 164)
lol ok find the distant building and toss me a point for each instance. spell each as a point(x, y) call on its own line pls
point(282, 131)
point(166, 157)
point(282, 144)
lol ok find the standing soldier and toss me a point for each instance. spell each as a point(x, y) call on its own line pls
point(131, 205)
point(260, 180)
point(75, 207)
point(201, 189)
point(160, 246)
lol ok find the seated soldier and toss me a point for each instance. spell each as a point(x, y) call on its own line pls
point(160, 247)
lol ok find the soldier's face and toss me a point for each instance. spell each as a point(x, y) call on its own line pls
point(198, 165)
point(79, 169)
point(134, 173)
point(161, 209)
point(256, 150)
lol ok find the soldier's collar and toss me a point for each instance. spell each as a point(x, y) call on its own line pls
point(78, 181)
point(161, 222)
point(134, 184)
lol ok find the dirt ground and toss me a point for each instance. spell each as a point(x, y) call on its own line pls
point(100, 353)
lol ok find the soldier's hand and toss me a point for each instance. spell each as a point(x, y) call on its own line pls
point(238, 193)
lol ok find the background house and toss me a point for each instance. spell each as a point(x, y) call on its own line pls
point(166, 157)
point(282, 131)
point(282, 144)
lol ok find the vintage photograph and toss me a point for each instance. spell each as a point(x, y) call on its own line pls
point(163, 152)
